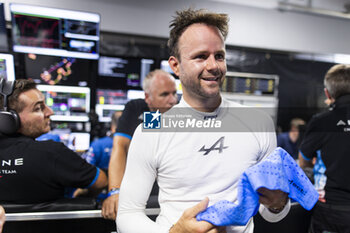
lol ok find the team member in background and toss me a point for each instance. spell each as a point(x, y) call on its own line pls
point(192, 165)
point(328, 133)
point(100, 150)
point(160, 93)
point(39, 171)
point(289, 140)
point(99, 153)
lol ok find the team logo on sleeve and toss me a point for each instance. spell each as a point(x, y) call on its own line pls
point(152, 120)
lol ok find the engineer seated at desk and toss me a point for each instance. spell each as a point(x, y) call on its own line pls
point(37, 171)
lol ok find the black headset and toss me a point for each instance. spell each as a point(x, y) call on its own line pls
point(9, 119)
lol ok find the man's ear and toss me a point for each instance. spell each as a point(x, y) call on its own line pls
point(174, 65)
point(326, 92)
point(147, 97)
point(330, 99)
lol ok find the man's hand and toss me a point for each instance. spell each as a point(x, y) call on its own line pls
point(80, 192)
point(275, 200)
point(189, 224)
point(110, 207)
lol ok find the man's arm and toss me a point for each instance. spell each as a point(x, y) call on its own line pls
point(303, 162)
point(92, 155)
point(100, 183)
point(188, 222)
point(116, 171)
point(275, 204)
point(2, 218)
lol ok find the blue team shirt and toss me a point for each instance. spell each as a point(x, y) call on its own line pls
point(284, 142)
point(100, 152)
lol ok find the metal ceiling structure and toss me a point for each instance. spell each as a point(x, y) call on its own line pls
point(329, 8)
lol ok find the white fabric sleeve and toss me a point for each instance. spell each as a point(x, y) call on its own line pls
point(272, 217)
point(136, 186)
point(267, 138)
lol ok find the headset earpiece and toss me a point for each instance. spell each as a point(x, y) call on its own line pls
point(9, 119)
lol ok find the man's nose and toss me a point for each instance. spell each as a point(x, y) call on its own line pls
point(211, 63)
point(48, 111)
point(172, 99)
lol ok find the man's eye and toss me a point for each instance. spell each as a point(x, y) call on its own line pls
point(200, 56)
point(220, 56)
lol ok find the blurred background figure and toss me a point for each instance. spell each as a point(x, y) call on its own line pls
point(290, 140)
point(100, 150)
point(328, 134)
point(99, 153)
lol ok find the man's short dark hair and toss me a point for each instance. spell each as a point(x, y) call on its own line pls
point(185, 18)
point(20, 86)
point(337, 80)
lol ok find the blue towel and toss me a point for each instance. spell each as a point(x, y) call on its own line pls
point(277, 171)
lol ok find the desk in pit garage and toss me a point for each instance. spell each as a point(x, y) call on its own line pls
point(81, 221)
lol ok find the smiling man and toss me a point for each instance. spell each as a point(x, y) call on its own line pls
point(194, 166)
point(39, 171)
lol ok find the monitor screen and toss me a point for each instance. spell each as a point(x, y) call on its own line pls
point(135, 94)
point(68, 103)
point(79, 141)
point(128, 71)
point(105, 111)
point(3, 33)
point(55, 32)
point(56, 70)
point(164, 65)
point(108, 101)
point(250, 85)
point(76, 141)
point(7, 67)
point(114, 97)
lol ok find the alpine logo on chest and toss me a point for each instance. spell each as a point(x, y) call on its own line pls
point(218, 145)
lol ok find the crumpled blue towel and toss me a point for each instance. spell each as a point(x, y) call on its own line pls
point(277, 171)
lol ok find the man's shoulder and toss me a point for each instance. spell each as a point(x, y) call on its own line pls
point(230, 103)
point(283, 135)
point(47, 145)
point(102, 141)
point(323, 116)
point(136, 102)
point(135, 107)
point(31, 146)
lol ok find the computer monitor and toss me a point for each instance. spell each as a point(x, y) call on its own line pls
point(108, 96)
point(68, 103)
point(105, 111)
point(76, 141)
point(7, 67)
point(129, 72)
point(55, 70)
point(164, 65)
point(3, 32)
point(79, 141)
point(135, 94)
point(55, 32)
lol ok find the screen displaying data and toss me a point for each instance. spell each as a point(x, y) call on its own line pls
point(55, 32)
point(68, 103)
point(131, 70)
point(53, 70)
point(7, 67)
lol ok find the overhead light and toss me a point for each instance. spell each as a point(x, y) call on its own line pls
point(332, 58)
point(286, 6)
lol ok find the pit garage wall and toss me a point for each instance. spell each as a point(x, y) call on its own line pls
point(249, 27)
point(301, 82)
point(300, 92)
